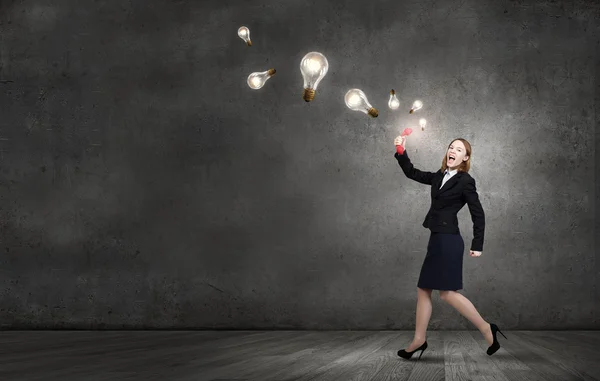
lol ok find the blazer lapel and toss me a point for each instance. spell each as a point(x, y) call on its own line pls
point(436, 184)
point(450, 183)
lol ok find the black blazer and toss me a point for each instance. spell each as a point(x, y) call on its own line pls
point(447, 201)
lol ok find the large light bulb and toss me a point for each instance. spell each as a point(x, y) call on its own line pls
point(422, 123)
point(313, 67)
point(258, 79)
point(416, 106)
point(244, 34)
point(357, 100)
point(394, 103)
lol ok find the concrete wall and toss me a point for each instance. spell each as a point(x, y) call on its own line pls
point(144, 185)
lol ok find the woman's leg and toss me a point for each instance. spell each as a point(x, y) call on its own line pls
point(424, 308)
point(468, 310)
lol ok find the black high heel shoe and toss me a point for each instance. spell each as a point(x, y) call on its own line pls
point(406, 355)
point(495, 345)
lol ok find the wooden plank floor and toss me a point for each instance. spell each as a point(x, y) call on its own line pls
point(294, 355)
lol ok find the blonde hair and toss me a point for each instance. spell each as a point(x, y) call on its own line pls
point(465, 165)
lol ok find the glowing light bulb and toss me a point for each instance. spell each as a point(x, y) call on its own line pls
point(313, 67)
point(258, 79)
point(357, 100)
point(422, 123)
point(417, 105)
point(393, 103)
point(244, 34)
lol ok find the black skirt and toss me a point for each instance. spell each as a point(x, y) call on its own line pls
point(442, 267)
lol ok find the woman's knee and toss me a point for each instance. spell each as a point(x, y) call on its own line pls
point(445, 295)
point(424, 292)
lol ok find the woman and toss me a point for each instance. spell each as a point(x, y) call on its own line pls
point(451, 188)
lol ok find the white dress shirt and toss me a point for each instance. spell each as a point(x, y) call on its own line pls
point(447, 175)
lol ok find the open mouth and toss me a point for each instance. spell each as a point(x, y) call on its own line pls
point(451, 158)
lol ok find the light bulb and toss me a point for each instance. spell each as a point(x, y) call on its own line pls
point(357, 100)
point(422, 123)
point(244, 34)
point(416, 106)
point(258, 79)
point(394, 103)
point(313, 67)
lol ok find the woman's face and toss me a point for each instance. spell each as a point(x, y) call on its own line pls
point(456, 154)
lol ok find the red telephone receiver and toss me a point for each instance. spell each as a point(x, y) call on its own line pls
point(400, 148)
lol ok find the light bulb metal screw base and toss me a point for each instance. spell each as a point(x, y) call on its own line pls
point(271, 72)
point(392, 92)
point(249, 42)
point(411, 111)
point(373, 112)
point(309, 95)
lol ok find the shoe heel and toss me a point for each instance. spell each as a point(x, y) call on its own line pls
point(502, 334)
point(423, 350)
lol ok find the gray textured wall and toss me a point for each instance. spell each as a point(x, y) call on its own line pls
point(143, 184)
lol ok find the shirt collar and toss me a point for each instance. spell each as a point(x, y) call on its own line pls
point(452, 172)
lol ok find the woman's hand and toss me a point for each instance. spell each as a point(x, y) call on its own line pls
point(474, 253)
point(400, 141)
